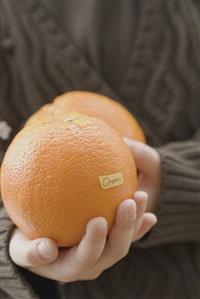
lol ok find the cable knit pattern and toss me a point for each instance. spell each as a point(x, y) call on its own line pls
point(180, 178)
point(165, 47)
point(161, 86)
point(30, 25)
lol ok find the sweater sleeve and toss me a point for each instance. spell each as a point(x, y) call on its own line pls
point(17, 282)
point(178, 207)
point(13, 284)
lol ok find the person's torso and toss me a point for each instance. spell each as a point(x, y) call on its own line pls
point(160, 83)
point(102, 30)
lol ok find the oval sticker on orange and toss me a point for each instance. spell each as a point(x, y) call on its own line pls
point(111, 180)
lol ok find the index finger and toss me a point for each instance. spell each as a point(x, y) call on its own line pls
point(144, 156)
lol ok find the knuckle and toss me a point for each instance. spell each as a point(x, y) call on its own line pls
point(122, 252)
point(11, 252)
point(30, 258)
point(85, 263)
point(96, 237)
point(130, 223)
point(155, 156)
point(66, 278)
point(125, 224)
point(70, 277)
point(94, 276)
point(63, 279)
point(75, 273)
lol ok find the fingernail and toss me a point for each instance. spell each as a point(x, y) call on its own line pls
point(141, 195)
point(45, 250)
point(131, 214)
point(100, 227)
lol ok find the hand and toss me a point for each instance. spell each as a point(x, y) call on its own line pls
point(147, 162)
point(95, 252)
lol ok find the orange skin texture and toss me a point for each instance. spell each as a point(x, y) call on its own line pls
point(92, 104)
point(50, 177)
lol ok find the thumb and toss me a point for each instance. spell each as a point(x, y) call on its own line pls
point(144, 156)
point(31, 253)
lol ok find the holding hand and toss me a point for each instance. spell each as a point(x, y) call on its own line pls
point(147, 162)
point(95, 252)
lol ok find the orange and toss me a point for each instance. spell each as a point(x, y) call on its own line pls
point(56, 176)
point(95, 105)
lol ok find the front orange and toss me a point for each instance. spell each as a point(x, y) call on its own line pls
point(56, 176)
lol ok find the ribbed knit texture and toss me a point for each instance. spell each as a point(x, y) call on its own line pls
point(161, 86)
point(10, 282)
point(178, 207)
